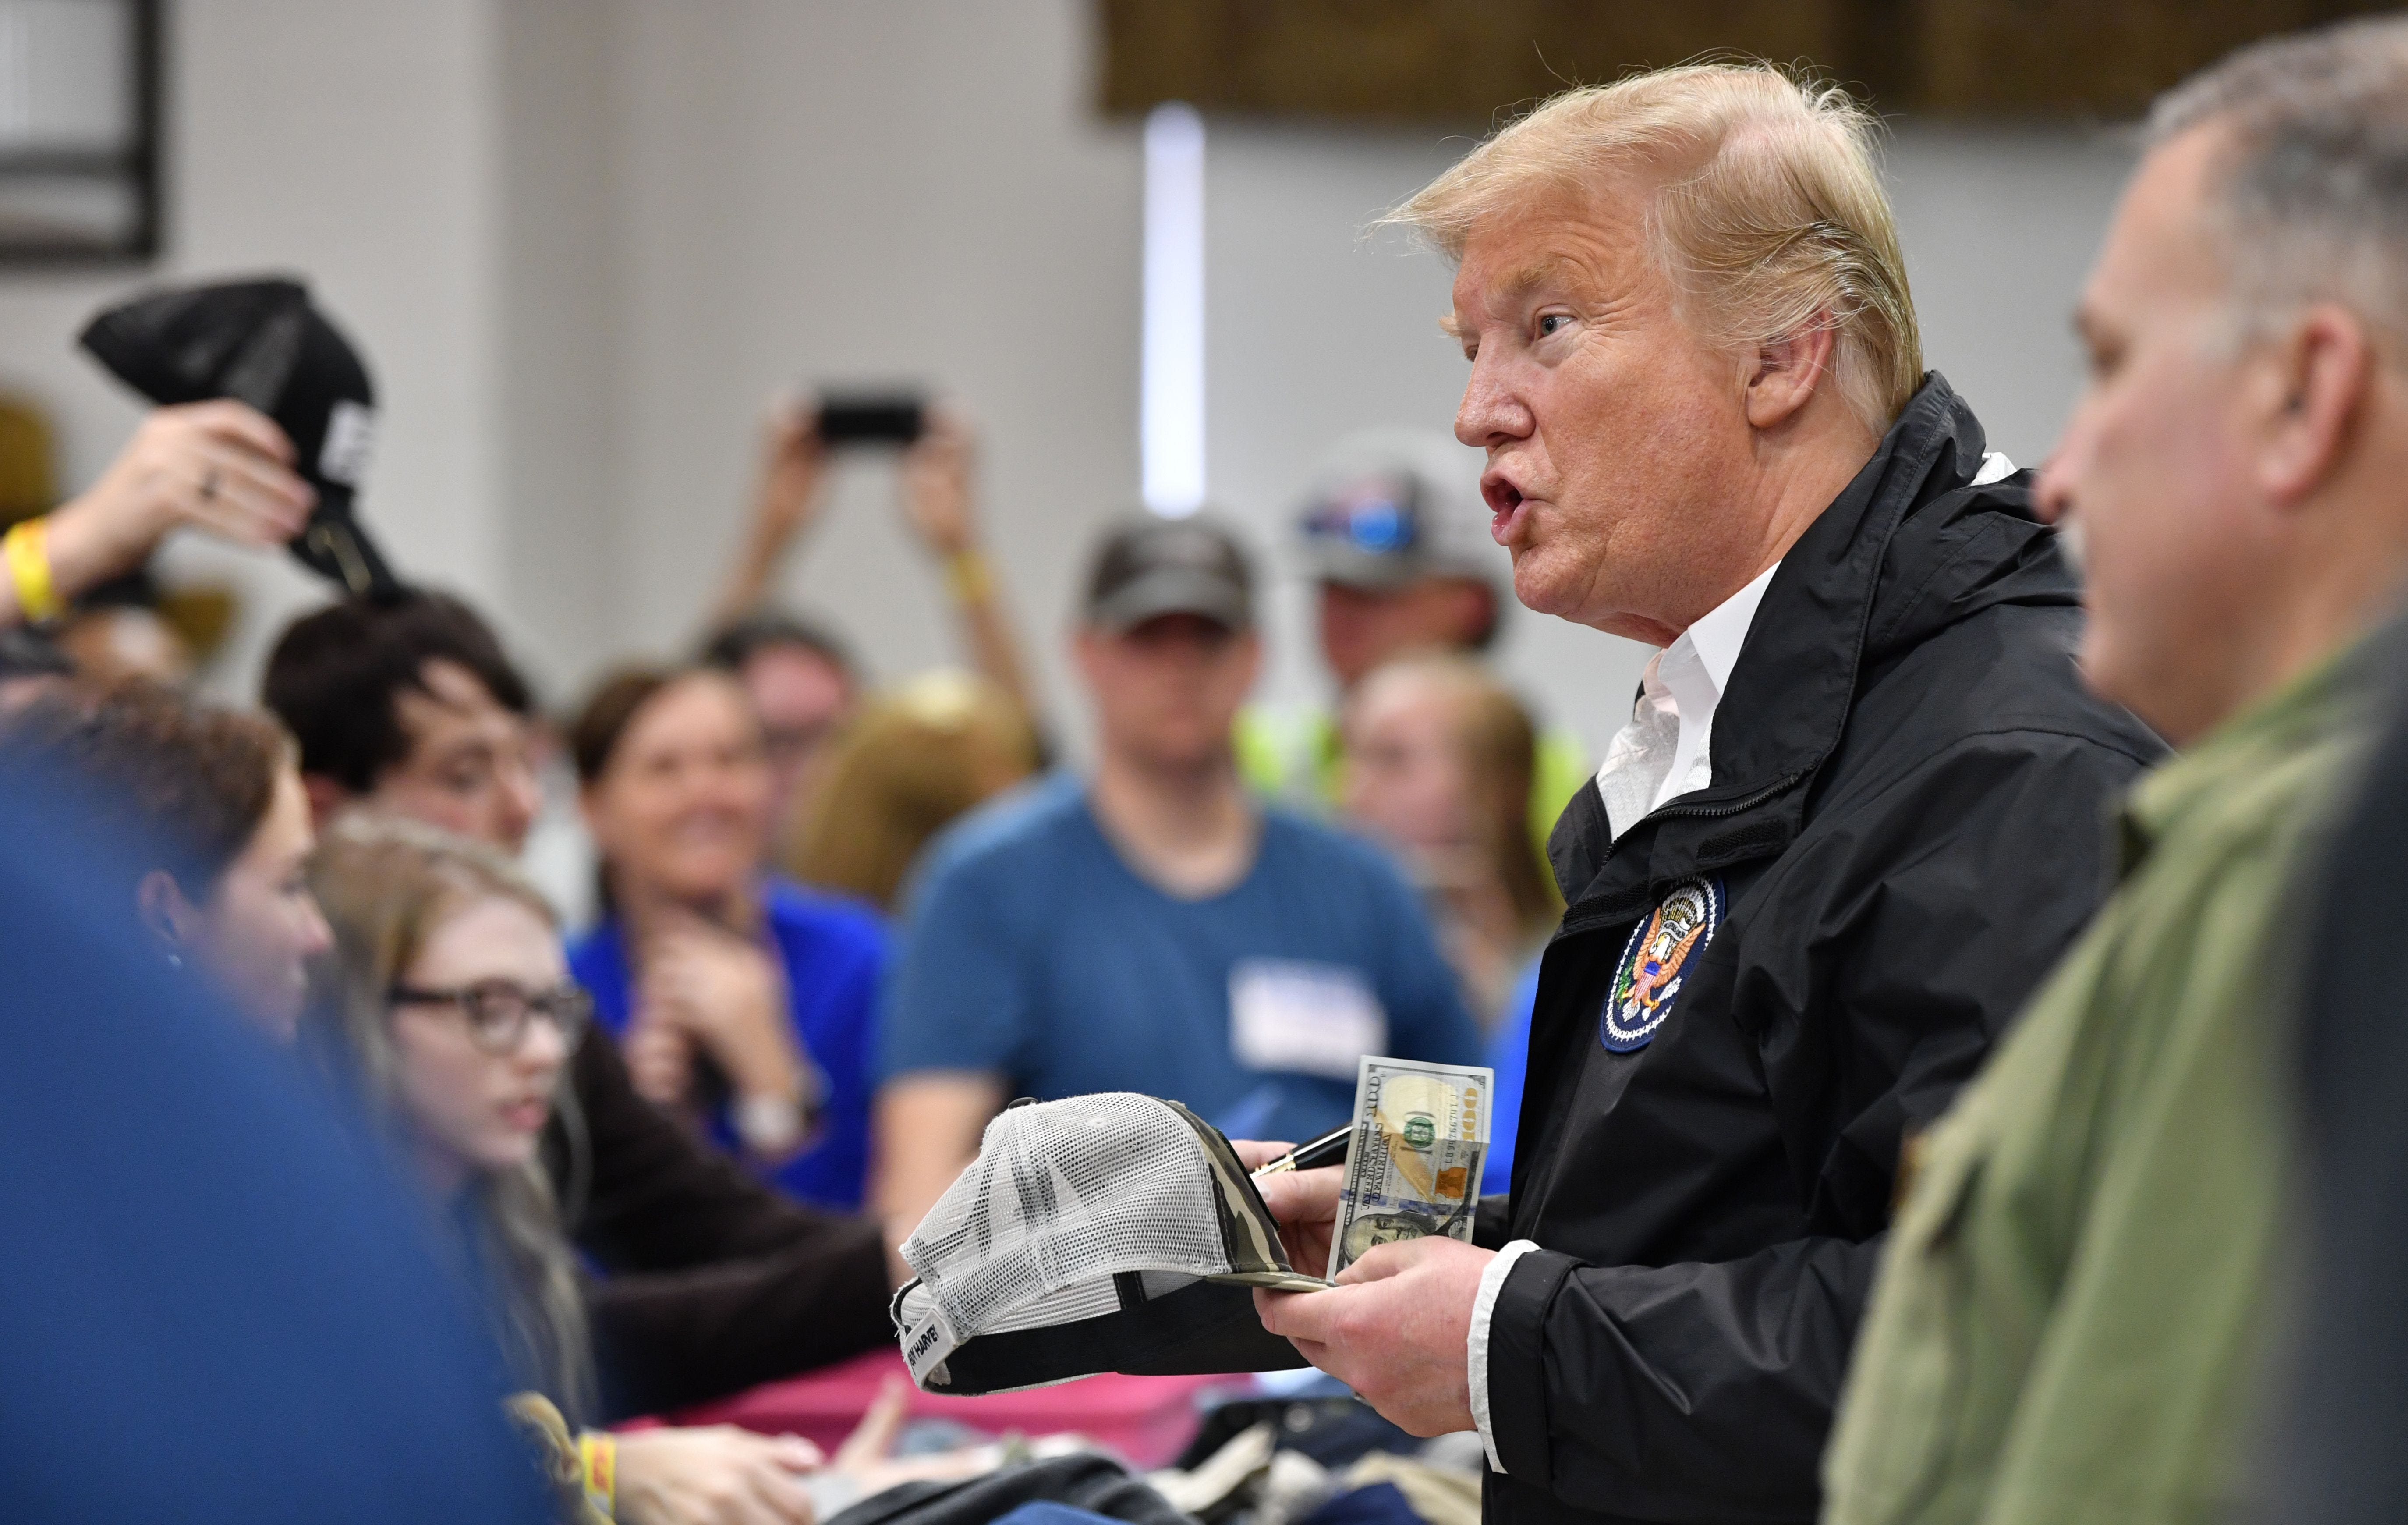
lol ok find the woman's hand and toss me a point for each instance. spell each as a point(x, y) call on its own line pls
point(937, 499)
point(715, 1476)
point(867, 1459)
point(728, 996)
point(222, 468)
point(660, 1062)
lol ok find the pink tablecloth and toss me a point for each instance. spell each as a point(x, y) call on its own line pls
point(1148, 1420)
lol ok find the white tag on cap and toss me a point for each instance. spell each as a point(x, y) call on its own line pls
point(351, 435)
point(925, 1345)
point(1288, 1016)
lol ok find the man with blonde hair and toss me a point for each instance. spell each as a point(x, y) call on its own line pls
point(1852, 816)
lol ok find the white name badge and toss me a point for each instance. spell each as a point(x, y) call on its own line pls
point(1303, 1018)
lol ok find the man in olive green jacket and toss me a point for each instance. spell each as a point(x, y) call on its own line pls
point(2072, 1300)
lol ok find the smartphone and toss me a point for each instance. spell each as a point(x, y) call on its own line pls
point(871, 418)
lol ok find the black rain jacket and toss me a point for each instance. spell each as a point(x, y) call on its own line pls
point(1907, 825)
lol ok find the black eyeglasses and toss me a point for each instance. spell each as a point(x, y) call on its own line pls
point(498, 1011)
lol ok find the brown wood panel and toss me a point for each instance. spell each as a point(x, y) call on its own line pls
point(1468, 61)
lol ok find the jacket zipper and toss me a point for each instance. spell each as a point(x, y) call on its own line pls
point(1573, 927)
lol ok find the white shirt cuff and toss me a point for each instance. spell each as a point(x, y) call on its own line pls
point(1483, 1307)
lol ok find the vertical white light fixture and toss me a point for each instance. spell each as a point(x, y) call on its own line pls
point(1171, 400)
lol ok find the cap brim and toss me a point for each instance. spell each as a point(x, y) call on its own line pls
point(1379, 570)
point(1200, 1329)
point(1174, 590)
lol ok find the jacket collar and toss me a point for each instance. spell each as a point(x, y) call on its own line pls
point(2242, 764)
point(1829, 610)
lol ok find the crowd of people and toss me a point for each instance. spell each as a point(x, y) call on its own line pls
point(1912, 1105)
point(680, 1105)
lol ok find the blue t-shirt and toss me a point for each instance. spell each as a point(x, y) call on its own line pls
point(1033, 952)
point(834, 952)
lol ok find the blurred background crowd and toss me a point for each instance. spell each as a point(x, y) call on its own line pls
point(924, 571)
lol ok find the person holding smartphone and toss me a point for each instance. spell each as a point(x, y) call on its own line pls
point(802, 678)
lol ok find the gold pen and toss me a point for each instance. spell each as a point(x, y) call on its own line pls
point(1329, 1149)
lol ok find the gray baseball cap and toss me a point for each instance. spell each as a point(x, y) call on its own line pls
point(1390, 507)
point(1113, 1233)
point(1149, 567)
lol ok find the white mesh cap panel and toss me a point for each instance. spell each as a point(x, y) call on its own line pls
point(1066, 1193)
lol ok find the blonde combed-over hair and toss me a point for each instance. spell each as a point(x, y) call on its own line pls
point(1767, 212)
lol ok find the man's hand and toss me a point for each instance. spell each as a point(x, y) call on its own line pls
point(715, 1476)
point(221, 467)
point(1304, 1203)
point(1395, 1328)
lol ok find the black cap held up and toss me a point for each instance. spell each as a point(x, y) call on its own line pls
point(263, 342)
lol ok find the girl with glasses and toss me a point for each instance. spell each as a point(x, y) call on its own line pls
point(448, 1002)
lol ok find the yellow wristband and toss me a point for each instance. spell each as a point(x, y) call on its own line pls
point(27, 548)
point(968, 577)
point(599, 1451)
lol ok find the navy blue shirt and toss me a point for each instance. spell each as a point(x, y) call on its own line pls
point(834, 952)
point(216, 1302)
point(1034, 953)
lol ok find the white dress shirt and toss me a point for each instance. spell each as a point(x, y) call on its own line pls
point(1666, 748)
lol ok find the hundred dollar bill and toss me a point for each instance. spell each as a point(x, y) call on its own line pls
point(1420, 1136)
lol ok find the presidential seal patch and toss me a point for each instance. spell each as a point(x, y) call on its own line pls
point(1656, 962)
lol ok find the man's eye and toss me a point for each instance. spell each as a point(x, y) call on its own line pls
point(1550, 321)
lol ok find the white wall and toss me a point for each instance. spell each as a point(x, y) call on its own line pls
point(1999, 228)
point(583, 240)
point(907, 191)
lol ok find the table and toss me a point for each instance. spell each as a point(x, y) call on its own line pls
point(1147, 1420)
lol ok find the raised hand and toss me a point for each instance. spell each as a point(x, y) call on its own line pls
point(937, 501)
point(793, 466)
point(222, 468)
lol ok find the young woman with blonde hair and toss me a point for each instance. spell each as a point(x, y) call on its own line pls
point(913, 762)
point(450, 1008)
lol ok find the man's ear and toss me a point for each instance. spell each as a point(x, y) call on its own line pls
point(326, 797)
point(2320, 373)
point(166, 914)
point(1785, 372)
